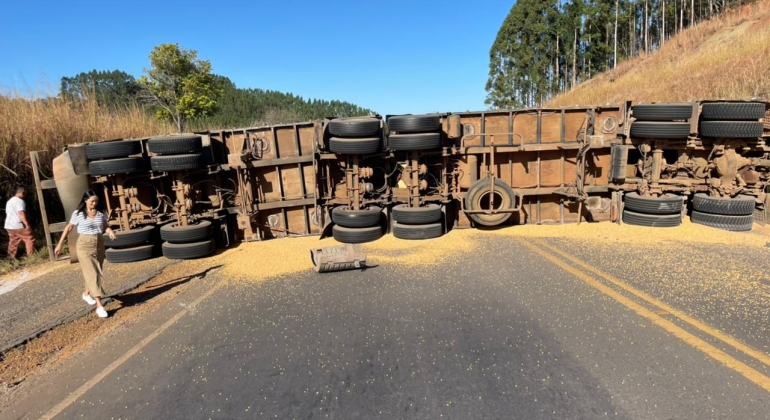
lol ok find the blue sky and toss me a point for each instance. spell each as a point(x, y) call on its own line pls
point(390, 56)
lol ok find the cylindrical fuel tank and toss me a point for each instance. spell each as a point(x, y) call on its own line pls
point(71, 188)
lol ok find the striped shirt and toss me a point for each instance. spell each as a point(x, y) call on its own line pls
point(87, 225)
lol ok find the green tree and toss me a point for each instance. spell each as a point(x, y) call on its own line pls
point(522, 67)
point(179, 86)
point(111, 88)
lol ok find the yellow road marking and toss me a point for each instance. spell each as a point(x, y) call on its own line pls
point(58, 408)
point(760, 356)
point(747, 371)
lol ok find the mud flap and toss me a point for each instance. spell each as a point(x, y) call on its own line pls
point(761, 211)
point(326, 232)
point(336, 258)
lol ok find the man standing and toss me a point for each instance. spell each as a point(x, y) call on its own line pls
point(17, 225)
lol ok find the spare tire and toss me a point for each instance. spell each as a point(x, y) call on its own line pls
point(743, 205)
point(174, 233)
point(116, 166)
point(662, 112)
point(419, 141)
point(414, 123)
point(665, 204)
point(477, 198)
point(113, 149)
point(139, 253)
point(360, 146)
point(130, 238)
point(354, 127)
point(660, 130)
point(174, 144)
point(429, 213)
point(344, 216)
point(732, 111)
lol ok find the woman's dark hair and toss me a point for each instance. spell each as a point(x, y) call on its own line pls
point(86, 195)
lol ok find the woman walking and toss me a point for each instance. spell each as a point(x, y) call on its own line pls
point(91, 223)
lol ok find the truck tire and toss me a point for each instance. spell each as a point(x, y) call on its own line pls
point(176, 234)
point(419, 141)
point(660, 130)
point(651, 220)
point(130, 238)
point(665, 204)
point(356, 235)
point(188, 251)
point(345, 217)
point(125, 255)
point(171, 145)
point(724, 222)
point(359, 146)
point(733, 111)
point(478, 199)
point(405, 215)
point(743, 205)
point(354, 127)
point(116, 166)
point(662, 112)
point(113, 149)
point(731, 129)
point(176, 162)
point(414, 123)
point(430, 231)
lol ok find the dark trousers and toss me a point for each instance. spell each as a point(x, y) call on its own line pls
point(15, 236)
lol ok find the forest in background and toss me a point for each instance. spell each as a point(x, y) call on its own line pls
point(548, 47)
point(727, 57)
point(237, 107)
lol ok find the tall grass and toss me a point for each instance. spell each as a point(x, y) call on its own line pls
point(38, 123)
point(727, 57)
point(48, 124)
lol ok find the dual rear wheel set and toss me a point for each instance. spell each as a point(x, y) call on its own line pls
point(726, 213)
point(195, 240)
point(169, 153)
point(407, 133)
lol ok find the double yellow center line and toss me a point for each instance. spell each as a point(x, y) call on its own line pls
point(559, 258)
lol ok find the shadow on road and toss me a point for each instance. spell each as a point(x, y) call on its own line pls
point(136, 298)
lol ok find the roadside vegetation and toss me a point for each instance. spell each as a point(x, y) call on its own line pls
point(727, 57)
point(545, 48)
point(40, 256)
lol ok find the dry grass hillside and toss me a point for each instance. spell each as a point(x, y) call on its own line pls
point(49, 124)
point(727, 57)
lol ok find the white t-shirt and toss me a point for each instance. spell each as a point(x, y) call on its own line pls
point(12, 209)
point(87, 225)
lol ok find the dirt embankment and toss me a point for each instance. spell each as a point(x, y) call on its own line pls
point(727, 57)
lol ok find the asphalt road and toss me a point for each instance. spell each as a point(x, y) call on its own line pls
point(519, 329)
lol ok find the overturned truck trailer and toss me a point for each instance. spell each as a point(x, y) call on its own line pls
point(418, 176)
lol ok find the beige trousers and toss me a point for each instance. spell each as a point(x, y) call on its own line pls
point(91, 258)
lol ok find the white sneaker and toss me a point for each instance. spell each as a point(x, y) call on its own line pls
point(89, 300)
point(102, 312)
